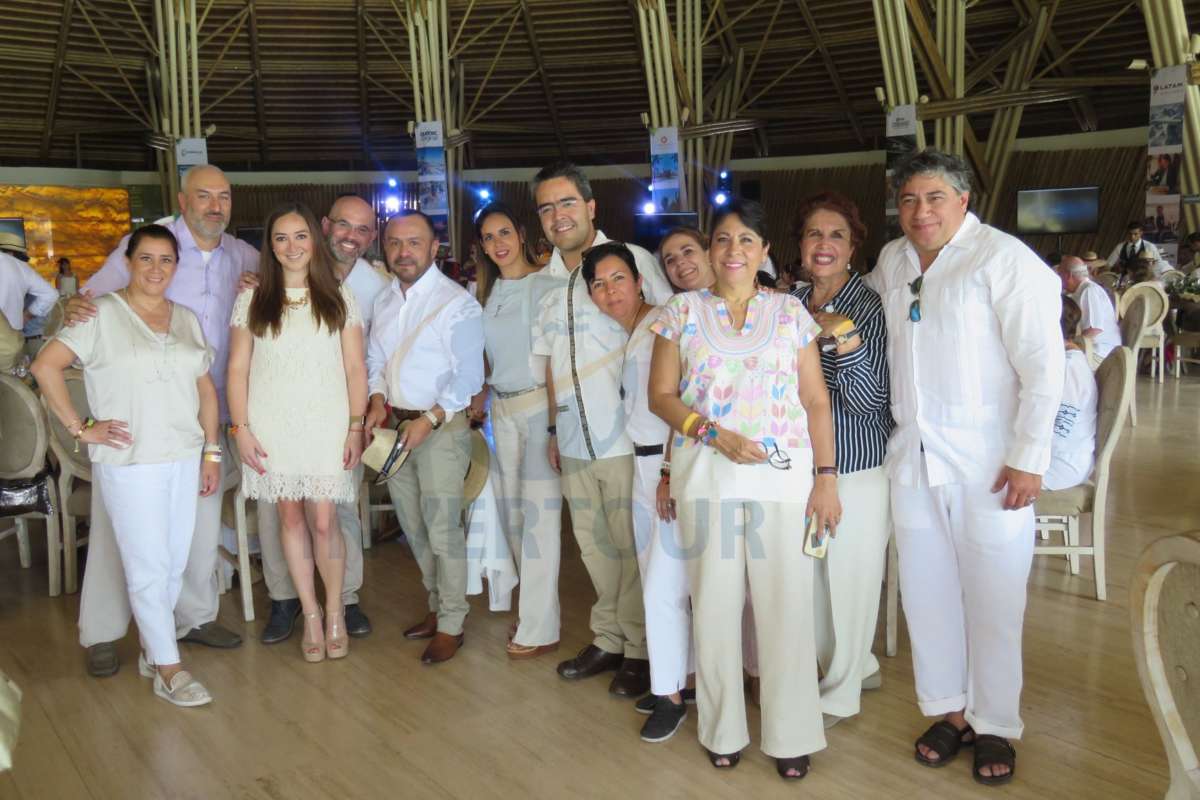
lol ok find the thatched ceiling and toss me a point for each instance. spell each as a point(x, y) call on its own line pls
point(312, 94)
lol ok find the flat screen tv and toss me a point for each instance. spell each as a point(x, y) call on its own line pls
point(1058, 211)
point(648, 229)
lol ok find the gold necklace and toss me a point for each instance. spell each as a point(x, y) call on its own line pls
point(299, 302)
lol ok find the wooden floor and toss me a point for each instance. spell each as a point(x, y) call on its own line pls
point(381, 725)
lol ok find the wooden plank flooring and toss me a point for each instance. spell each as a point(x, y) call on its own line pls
point(380, 725)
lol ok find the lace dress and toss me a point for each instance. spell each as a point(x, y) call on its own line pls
point(299, 406)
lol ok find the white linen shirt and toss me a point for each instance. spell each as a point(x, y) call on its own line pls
point(366, 283)
point(17, 281)
point(590, 416)
point(976, 383)
point(655, 286)
point(643, 425)
point(206, 282)
point(1098, 312)
point(439, 326)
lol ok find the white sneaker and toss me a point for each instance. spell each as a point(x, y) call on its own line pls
point(145, 668)
point(184, 691)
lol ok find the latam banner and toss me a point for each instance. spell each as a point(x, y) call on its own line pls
point(664, 169)
point(1164, 158)
point(190, 153)
point(433, 195)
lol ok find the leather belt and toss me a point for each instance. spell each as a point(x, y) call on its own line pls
point(647, 449)
point(404, 414)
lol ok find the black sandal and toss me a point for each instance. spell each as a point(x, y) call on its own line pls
point(945, 740)
point(992, 751)
point(733, 759)
point(800, 764)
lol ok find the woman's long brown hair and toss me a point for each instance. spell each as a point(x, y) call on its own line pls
point(324, 295)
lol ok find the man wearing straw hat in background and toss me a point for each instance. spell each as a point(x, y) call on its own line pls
point(425, 360)
point(18, 281)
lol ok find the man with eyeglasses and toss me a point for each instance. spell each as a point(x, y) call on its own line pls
point(976, 360)
point(580, 353)
point(350, 229)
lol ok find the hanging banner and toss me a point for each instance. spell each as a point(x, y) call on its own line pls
point(1164, 158)
point(664, 169)
point(433, 195)
point(190, 153)
point(901, 134)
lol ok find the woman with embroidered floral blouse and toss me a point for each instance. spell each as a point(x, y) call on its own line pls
point(737, 373)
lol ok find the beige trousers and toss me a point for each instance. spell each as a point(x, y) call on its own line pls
point(104, 611)
point(600, 494)
point(275, 568)
point(530, 506)
point(729, 542)
point(427, 494)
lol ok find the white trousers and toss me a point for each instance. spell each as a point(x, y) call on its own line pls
point(104, 609)
point(275, 568)
point(153, 512)
point(846, 587)
point(664, 583)
point(726, 542)
point(964, 564)
point(530, 504)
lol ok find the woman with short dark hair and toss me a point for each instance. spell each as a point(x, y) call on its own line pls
point(737, 374)
point(145, 367)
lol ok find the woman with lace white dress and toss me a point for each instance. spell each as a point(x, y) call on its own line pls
point(297, 396)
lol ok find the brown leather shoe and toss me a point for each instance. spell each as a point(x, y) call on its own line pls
point(519, 652)
point(590, 661)
point(632, 679)
point(442, 648)
point(425, 629)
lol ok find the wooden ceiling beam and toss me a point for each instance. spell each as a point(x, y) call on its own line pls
point(1084, 110)
point(60, 53)
point(551, 106)
point(260, 109)
point(831, 68)
point(985, 68)
point(364, 100)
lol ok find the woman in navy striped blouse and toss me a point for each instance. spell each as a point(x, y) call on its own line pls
point(853, 356)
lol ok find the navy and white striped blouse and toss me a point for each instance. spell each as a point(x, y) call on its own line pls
point(858, 381)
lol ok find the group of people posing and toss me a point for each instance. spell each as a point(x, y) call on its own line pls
point(734, 458)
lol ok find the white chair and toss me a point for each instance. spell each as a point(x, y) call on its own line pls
point(241, 515)
point(74, 480)
point(1164, 595)
point(23, 441)
point(372, 501)
point(1154, 338)
point(1170, 276)
point(1133, 327)
point(1060, 511)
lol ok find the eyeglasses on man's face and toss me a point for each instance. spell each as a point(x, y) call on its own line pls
point(565, 204)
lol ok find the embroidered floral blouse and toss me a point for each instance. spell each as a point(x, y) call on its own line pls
point(747, 381)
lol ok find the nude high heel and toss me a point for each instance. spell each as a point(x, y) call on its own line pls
point(337, 641)
point(313, 650)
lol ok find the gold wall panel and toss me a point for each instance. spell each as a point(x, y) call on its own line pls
point(83, 224)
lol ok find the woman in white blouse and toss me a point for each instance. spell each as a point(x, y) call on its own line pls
point(530, 496)
point(145, 366)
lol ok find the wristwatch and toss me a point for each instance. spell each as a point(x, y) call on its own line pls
point(552, 430)
point(433, 420)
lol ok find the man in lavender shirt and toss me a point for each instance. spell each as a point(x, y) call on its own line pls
point(206, 281)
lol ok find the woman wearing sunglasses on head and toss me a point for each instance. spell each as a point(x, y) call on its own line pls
point(737, 373)
point(853, 344)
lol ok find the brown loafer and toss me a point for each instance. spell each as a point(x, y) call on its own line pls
point(442, 648)
point(425, 629)
point(518, 652)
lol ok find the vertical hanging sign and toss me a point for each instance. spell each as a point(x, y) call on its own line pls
point(190, 153)
point(1164, 157)
point(901, 140)
point(664, 169)
point(433, 196)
